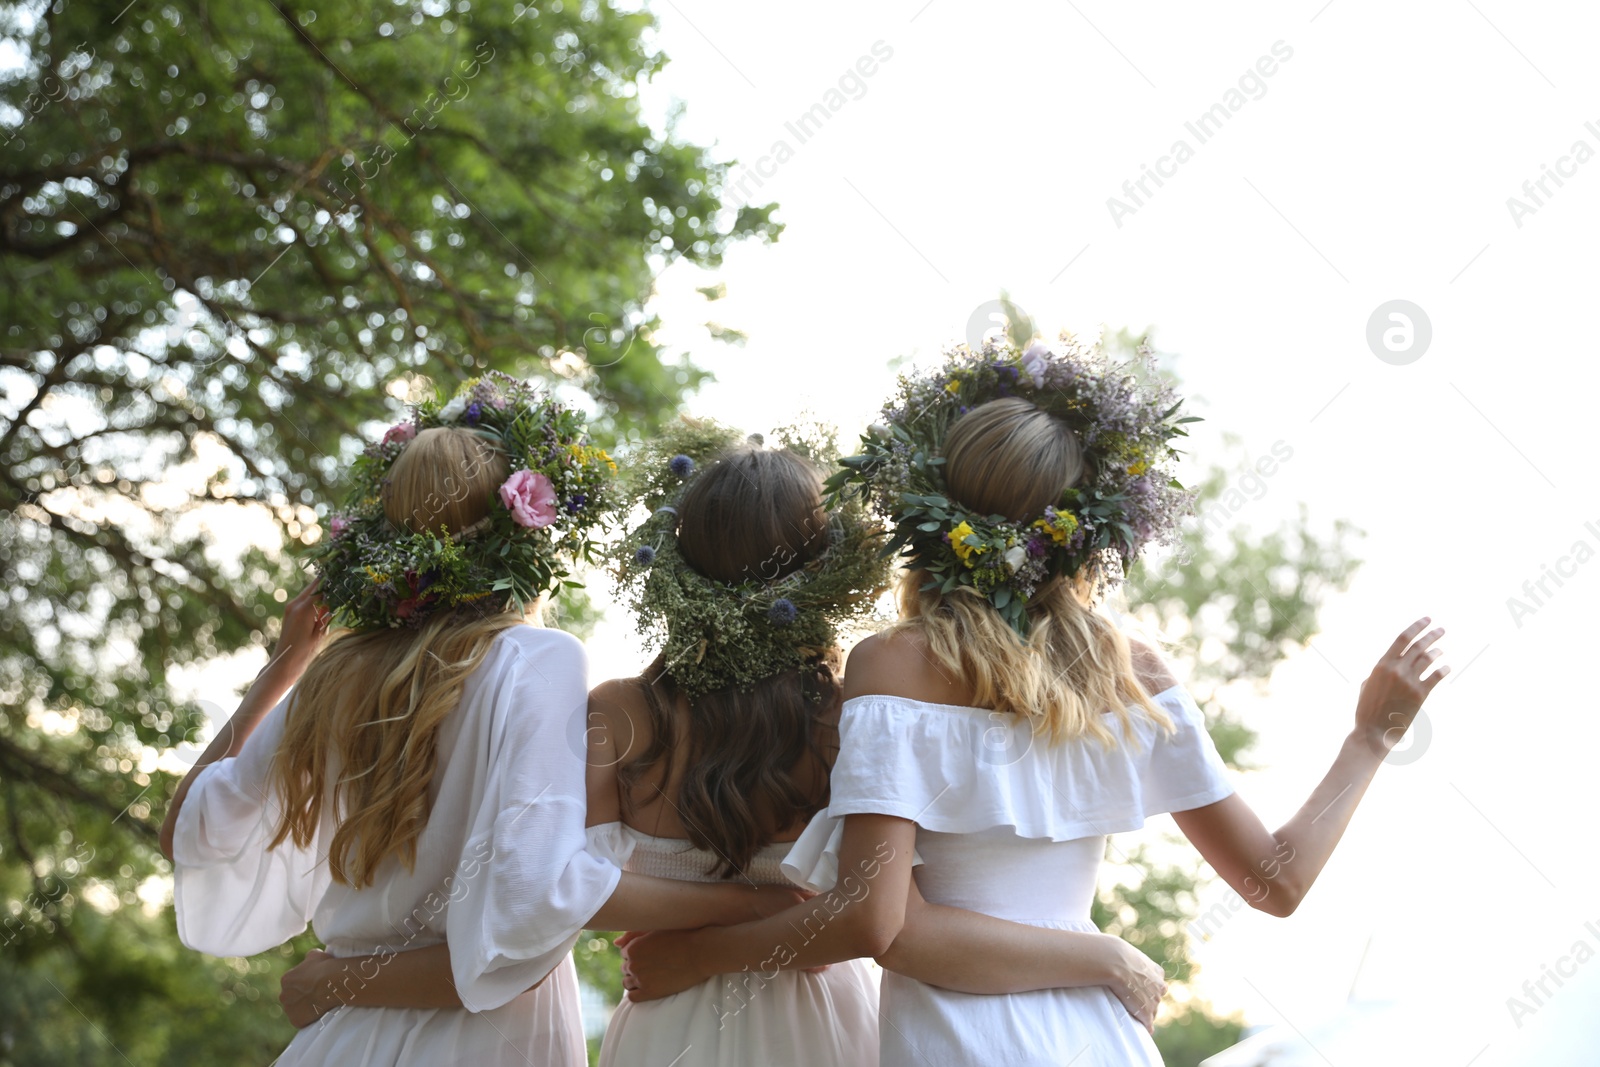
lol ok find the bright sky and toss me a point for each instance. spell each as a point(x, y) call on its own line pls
point(1373, 163)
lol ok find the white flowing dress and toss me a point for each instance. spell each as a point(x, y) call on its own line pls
point(1014, 827)
point(502, 872)
point(791, 1019)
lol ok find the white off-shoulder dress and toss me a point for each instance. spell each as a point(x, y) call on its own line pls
point(1010, 826)
point(502, 872)
point(784, 1019)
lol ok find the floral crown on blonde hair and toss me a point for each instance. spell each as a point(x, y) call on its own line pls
point(716, 634)
point(1125, 500)
point(544, 519)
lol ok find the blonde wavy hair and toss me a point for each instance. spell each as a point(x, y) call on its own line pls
point(1008, 457)
point(369, 706)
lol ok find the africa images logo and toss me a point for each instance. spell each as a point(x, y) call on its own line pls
point(1202, 128)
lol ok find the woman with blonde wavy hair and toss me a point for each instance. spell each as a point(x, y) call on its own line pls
point(994, 737)
point(419, 788)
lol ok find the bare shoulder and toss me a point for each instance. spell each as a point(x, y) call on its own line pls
point(618, 707)
point(897, 662)
point(1150, 667)
point(878, 658)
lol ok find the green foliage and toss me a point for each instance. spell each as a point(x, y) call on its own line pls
point(145, 997)
point(228, 230)
point(599, 964)
point(1193, 1033)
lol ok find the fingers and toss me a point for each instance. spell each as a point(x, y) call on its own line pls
point(1411, 656)
point(1434, 679)
point(1400, 643)
point(1422, 644)
point(1142, 1009)
point(1419, 666)
point(1417, 662)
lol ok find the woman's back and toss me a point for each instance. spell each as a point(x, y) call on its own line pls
point(503, 830)
point(649, 798)
point(788, 1017)
point(1009, 824)
point(407, 909)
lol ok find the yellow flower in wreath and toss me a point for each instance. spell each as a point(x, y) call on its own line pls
point(958, 542)
point(1059, 525)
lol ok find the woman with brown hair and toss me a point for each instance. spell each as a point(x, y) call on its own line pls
point(417, 788)
point(1005, 726)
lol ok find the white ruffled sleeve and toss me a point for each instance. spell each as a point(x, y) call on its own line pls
point(232, 895)
point(528, 883)
point(961, 770)
point(612, 842)
point(1183, 770)
point(813, 861)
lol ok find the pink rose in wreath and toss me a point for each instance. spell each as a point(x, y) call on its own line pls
point(401, 432)
point(531, 498)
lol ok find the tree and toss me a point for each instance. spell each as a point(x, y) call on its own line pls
point(233, 237)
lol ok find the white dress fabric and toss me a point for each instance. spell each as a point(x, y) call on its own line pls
point(502, 873)
point(792, 1019)
point(1011, 826)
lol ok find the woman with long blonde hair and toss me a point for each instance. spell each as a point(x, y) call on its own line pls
point(418, 796)
point(1006, 725)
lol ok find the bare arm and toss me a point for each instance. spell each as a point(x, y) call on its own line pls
point(422, 978)
point(1274, 870)
point(305, 621)
point(418, 978)
point(971, 952)
point(861, 916)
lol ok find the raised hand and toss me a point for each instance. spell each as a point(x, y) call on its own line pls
point(1393, 693)
point(305, 624)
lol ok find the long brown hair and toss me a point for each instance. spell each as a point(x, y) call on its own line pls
point(369, 706)
point(751, 513)
point(1008, 457)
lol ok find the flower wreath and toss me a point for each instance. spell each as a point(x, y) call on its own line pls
point(376, 574)
point(717, 634)
point(1124, 501)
